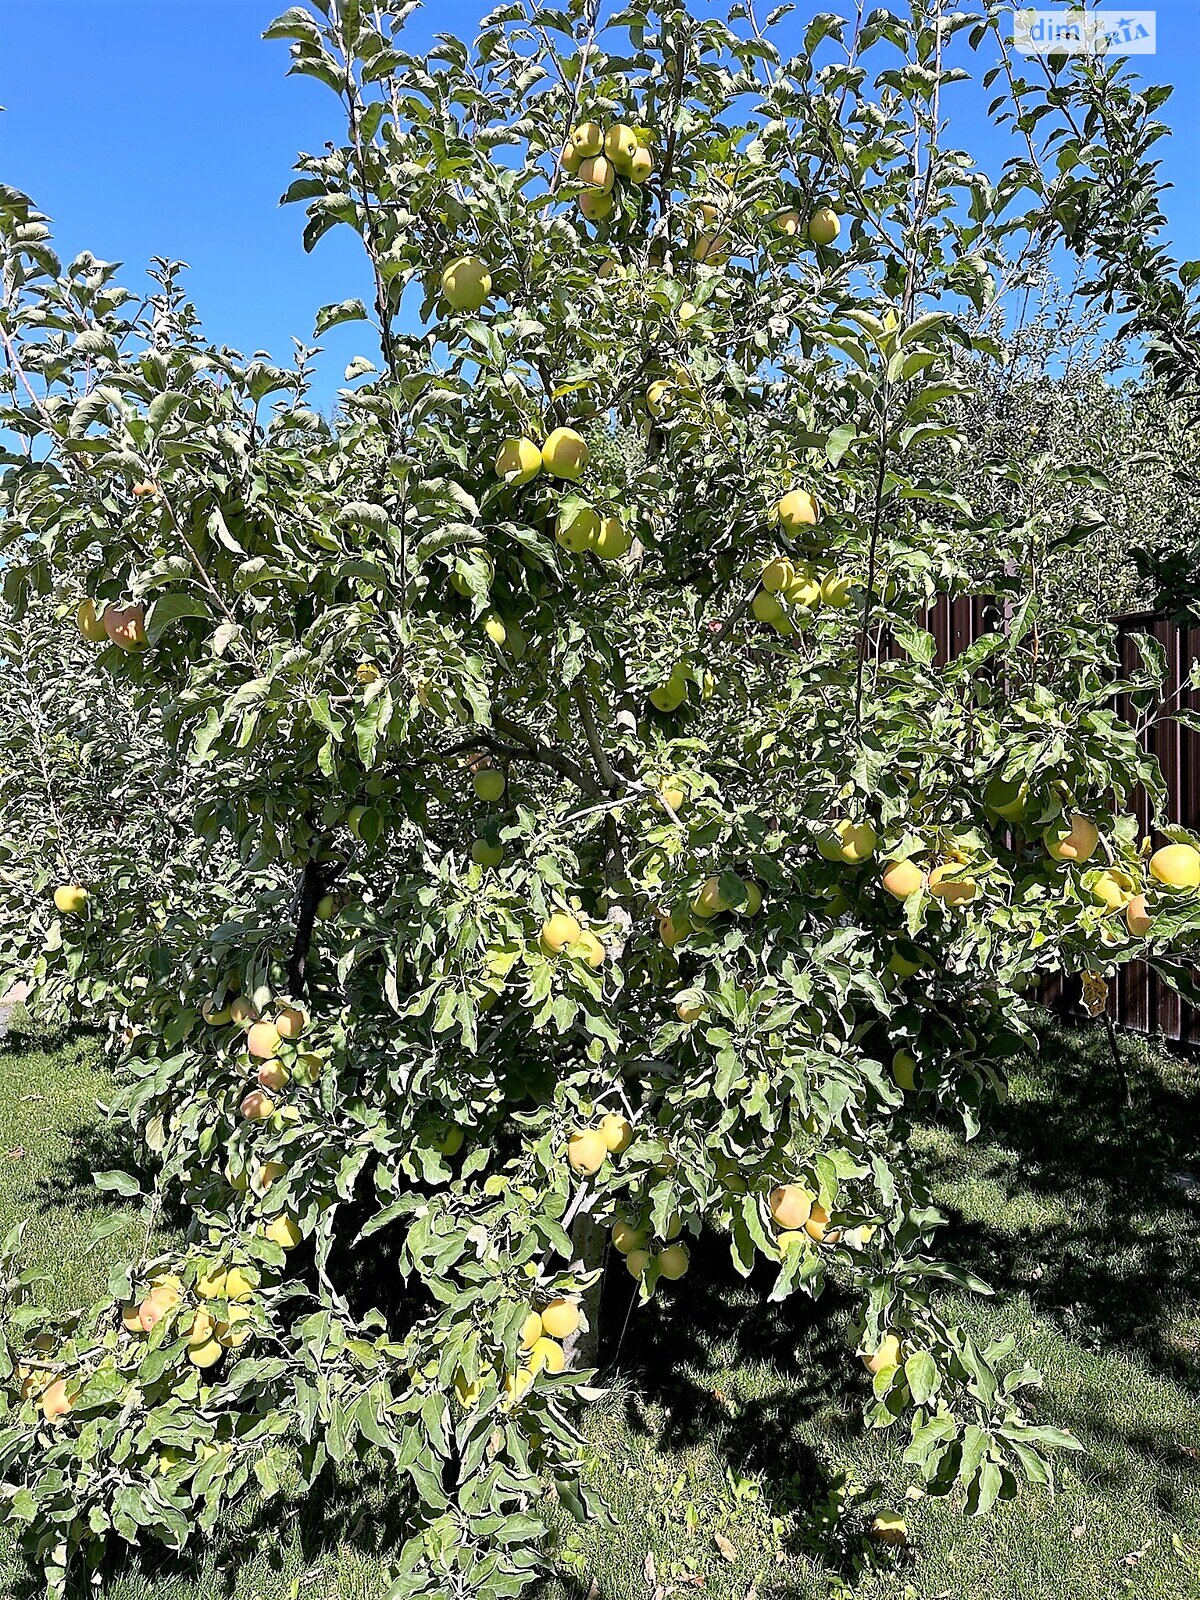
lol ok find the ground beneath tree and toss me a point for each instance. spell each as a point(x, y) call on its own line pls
point(730, 1448)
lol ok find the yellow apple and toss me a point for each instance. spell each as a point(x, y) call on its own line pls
point(1006, 798)
point(484, 854)
point(283, 1230)
point(641, 165)
point(835, 590)
point(70, 899)
point(89, 623)
point(778, 575)
point(626, 1237)
point(817, 1226)
point(796, 510)
point(596, 206)
point(558, 931)
point(673, 1262)
point(518, 461)
point(1137, 918)
point(951, 884)
point(262, 1040)
point(565, 454)
point(598, 173)
point(290, 1022)
point(308, 1068)
point(273, 1075)
point(752, 904)
point(766, 608)
point(587, 1151)
point(466, 283)
point(660, 398)
point(1177, 866)
point(613, 541)
point(588, 947)
point(256, 1106)
point(887, 1355)
point(668, 696)
point(451, 1141)
point(588, 139)
point(617, 1133)
point(1113, 889)
point(1073, 839)
point(849, 842)
point(712, 249)
point(902, 878)
point(620, 146)
point(548, 1355)
point(823, 225)
point(709, 901)
point(578, 530)
point(55, 1401)
point(889, 1528)
point(907, 959)
point(206, 1354)
point(673, 793)
point(790, 1205)
point(560, 1318)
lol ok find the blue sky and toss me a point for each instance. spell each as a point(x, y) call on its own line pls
point(168, 127)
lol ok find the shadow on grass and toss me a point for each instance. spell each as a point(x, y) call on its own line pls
point(1108, 1195)
point(93, 1143)
point(342, 1512)
point(673, 1358)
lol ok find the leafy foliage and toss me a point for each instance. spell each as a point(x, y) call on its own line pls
point(532, 875)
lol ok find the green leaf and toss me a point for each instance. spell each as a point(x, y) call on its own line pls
point(175, 606)
point(921, 1371)
point(116, 1182)
point(344, 311)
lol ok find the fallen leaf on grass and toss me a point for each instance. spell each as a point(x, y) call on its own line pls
point(17, 1153)
point(724, 1546)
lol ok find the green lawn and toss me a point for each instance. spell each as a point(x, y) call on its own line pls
point(730, 1447)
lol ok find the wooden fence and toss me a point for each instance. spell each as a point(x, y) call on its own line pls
point(1141, 1002)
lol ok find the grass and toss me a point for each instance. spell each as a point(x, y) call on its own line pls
point(730, 1448)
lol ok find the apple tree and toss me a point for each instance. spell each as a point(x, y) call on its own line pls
point(570, 843)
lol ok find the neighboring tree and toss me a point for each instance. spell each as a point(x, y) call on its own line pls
point(585, 845)
point(1098, 466)
point(86, 793)
point(1095, 170)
